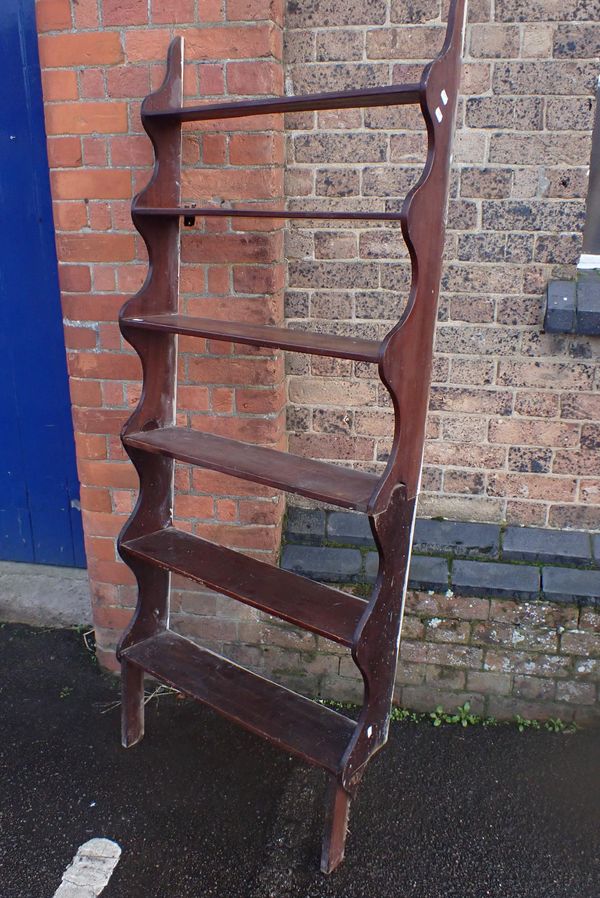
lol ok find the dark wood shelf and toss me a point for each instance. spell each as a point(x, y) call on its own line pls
point(152, 547)
point(298, 600)
point(210, 212)
point(391, 95)
point(261, 335)
point(307, 729)
point(291, 473)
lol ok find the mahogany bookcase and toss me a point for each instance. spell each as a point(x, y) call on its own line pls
point(153, 548)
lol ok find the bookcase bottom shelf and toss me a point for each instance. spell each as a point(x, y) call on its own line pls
point(292, 722)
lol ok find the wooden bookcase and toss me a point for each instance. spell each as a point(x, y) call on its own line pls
point(153, 548)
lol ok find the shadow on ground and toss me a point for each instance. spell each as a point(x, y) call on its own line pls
point(202, 808)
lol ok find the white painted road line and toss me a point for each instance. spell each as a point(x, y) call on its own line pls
point(89, 871)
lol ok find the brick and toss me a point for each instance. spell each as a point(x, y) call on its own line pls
point(445, 677)
point(86, 118)
point(531, 486)
point(568, 114)
point(553, 149)
point(247, 10)
point(335, 245)
point(409, 13)
point(449, 630)
point(85, 49)
point(488, 683)
point(328, 565)
point(576, 693)
point(53, 15)
point(70, 185)
point(330, 46)
point(321, 391)
point(321, 147)
point(446, 655)
point(533, 688)
point(452, 399)
point(581, 642)
point(59, 84)
point(174, 12)
point(232, 42)
point(538, 433)
point(505, 708)
point(337, 76)
point(530, 663)
point(254, 149)
point(551, 546)
point(230, 184)
point(418, 42)
point(494, 633)
point(64, 151)
point(231, 248)
point(128, 81)
point(538, 374)
point(254, 78)
point(96, 247)
point(575, 40)
point(124, 12)
point(147, 45)
point(494, 41)
point(490, 578)
point(570, 585)
point(334, 446)
point(426, 604)
point(544, 77)
point(574, 516)
point(324, 13)
point(535, 215)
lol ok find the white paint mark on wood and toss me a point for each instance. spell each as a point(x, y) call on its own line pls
point(90, 870)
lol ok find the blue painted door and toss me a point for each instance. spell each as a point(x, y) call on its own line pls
point(40, 520)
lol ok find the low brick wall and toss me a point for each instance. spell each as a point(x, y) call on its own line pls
point(536, 659)
point(522, 638)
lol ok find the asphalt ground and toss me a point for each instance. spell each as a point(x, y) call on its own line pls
point(201, 808)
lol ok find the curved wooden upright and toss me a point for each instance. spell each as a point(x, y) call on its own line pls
point(153, 547)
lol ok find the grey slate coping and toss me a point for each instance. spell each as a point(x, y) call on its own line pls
point(371, 567)
point(305, 525)
point(537, 544)
point(310, 530)
point(321, 563)
point(349, 527)
point(562, 584)
point(456, 538)
point(426, 571)
point(516, 581)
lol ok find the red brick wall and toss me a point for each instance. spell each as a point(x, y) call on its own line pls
point(514, 418)
point(98, 59)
